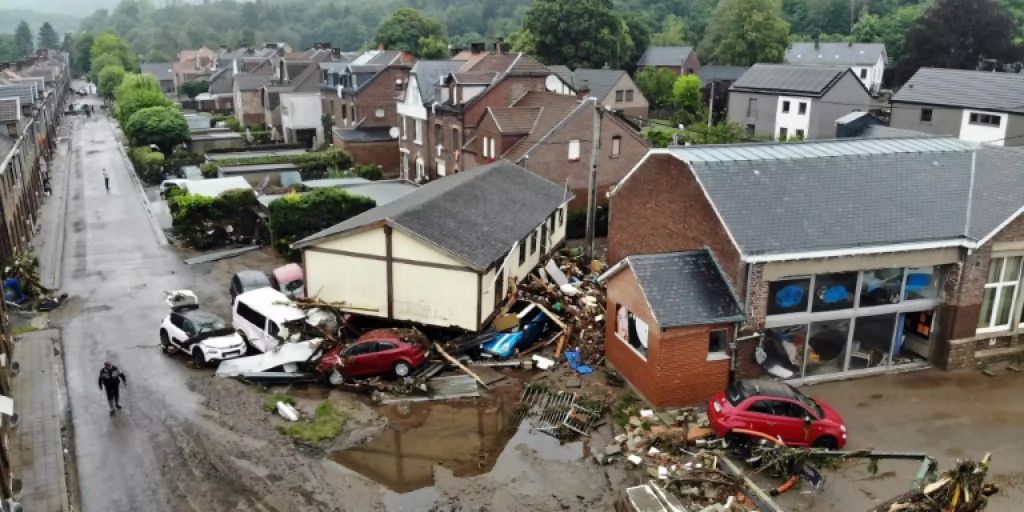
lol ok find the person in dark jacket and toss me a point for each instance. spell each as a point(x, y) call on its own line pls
point(111, 378)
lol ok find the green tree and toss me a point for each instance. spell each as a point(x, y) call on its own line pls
point(137, 92)
point(99, 63)
point(48, 37)
point(523, 41)
point(656, 84)
point(68, 43)
point(7, 52)
point(108, 79)
point(193, 88)
point(869, 29)
point(959, 34)
point(432, 47)
point(579, 33)
point(686, 97)
point(673, 32)
point(23, 40)
point(639, 28)
point(745, 32)
point(163, 126)
point(405, 28)
point(81, 59)
point(155, 55)
point(110, 44)
point(827, 17)
point(294, 216)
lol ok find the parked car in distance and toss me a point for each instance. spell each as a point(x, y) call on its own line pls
point(779, 410)
point(264, 319)
point(202, 335)
point(171, 184)
point(247, 281)
point(288, 279)
point(377, 352)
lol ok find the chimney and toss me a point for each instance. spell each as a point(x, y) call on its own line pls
point(477, 47)
point(336, 52)
point(499, 45)
point(454, 50)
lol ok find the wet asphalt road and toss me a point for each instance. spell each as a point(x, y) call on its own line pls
point(116, 270)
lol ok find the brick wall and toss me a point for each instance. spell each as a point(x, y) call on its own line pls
point(382, 153)
point(676, 371)
point(663, 209)
point(503, 94)
point(379, 95)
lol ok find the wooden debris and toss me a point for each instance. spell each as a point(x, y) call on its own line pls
point(460, 366)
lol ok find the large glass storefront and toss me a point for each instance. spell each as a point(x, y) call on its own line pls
point(832, 323)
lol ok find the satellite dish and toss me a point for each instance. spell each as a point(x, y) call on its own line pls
point(552, 83)
point(393, 132)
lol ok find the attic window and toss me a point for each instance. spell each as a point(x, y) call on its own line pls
point(399, 85)
point(574, 150)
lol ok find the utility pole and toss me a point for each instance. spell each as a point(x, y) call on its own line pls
point(711, 103)
point(595, 144)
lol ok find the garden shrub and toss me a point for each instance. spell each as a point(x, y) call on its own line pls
point(296, 216)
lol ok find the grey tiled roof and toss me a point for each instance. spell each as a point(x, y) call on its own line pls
point(515, 120)
point(10, 109)
point(160, 70)
point(685, 288)
point(363, 134)
point(428, 75)
point(23, 92)
point(1001, 92)
point(665, 55)
point(783, 78)
point(252, 81)
point(599, 81)
point(720, 73)
point(475, 215)
point(835, 54)
point(796, 197)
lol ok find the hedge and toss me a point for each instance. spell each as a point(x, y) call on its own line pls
point(296, 216)
point(149, 164)
point(203, 222)
point(312, 166)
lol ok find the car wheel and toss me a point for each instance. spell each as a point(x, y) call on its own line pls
point(165, 342)
point(335, 378)
point(826, 442)
point(402, 369)
point(199, 358)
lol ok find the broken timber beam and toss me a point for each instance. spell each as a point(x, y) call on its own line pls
point(760, 498)
point(459, 365)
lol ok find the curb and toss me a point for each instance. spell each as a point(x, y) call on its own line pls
point(70, 490)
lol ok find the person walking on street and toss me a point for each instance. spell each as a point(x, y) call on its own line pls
point(106, 179)
point(110, 379)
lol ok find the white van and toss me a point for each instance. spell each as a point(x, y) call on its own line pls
point(262, 317)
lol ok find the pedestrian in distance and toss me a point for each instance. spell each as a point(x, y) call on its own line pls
point(110, 380)
point(106, 179)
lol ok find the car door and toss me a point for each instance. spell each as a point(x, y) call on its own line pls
point(386, 355)
point(175, 333)
point(359, 360)
point(188, 330)
point(759, 416)
point(789, 423)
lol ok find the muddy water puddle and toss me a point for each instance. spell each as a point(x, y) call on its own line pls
point(469, 437)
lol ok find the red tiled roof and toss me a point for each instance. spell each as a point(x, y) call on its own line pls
point(515, 120)
point(554, 108)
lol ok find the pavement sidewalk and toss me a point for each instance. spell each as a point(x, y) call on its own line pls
point(38, 458)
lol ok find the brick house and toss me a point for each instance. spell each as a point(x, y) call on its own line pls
point(360, 98)
point(682, 60)
point(549, 134)
point(671, 316)
point(247, 97)
point(851, 257)
point(613, 88)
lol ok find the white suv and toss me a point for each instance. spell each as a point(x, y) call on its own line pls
point(200, 334)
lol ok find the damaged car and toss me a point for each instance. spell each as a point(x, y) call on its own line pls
point(377, 352)
point(203, 336)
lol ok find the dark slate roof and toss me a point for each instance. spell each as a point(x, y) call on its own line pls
point(827, 195)
point(515, 120)
point(600, 82)
point(835, 54)
point(665, 55)
point(363, 134)
point(476, 215)
point(563, 72)
point(252, 81)
point(220, 82)
point(784, 78)
point(428, 75)
point(684, 288)
point(161, 70)
point(720, 73)
point(986, 90)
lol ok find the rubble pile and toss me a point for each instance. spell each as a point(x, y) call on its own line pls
point(567, 285)
point(961, 489)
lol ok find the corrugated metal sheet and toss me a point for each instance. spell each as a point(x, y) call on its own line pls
point(24, 92)
point(813, 149)
point(10, 110)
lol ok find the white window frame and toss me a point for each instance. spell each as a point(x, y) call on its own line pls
point(485, 146)
point(1002, 287)
point(723, 353)
point(574, 150)
point(440, 167)
point(421, 169)
point(419, 132)
point(494, 153)
point(616, 146)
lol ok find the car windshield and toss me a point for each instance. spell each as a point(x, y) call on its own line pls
point(206, 325)
point(811, 404)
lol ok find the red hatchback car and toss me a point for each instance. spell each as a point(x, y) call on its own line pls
point(779, 410)
point(376, 352)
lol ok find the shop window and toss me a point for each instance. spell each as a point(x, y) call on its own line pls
point(914, 339)
point(922, 283)
point(632, 330)
point(788, 296)
point(872, 341)
point(834, 291)
point(783, 349)
point(718, 340)
point(826, 347)
point(880, 287)
point(997, 304)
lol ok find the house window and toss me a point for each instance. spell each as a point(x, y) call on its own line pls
point(752, 108)
point(800, 134)
point(494, 153)
point(399, 86)
point(629, 95)
point(783, 133)
point(785, 107)
point(456, 138)
point(405, 128)
point(749, 130)
point(419, 132)
point(574, 150)
point(561, 217)
point(631, 330)
point(522, 252)
point(440, 165)
point(438, 135)
point(485, 146)
point(863, 74)
point(803, 108)
point(985, 119)
point(533, 243)
point(718, 340)
point(1000, 297)
point(544, 238)
point(420, 169)
point(344, 112)
point(619, 96)
point(926, 115)
point(616, 146)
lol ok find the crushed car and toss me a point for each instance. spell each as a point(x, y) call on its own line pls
point(378, 352)
point(203, 336)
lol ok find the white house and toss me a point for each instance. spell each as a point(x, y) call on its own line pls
point(443, 254)
point(301, 118)
point(866, 60)
point(412, 108)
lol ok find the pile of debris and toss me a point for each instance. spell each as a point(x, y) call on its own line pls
point(561, 414)
point(961, 489)
point(23, 289)
point(567, 285)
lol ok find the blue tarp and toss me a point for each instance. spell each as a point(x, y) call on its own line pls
point(573, 358)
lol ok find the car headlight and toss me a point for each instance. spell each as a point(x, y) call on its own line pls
point(842, 428)
point(717, 406)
